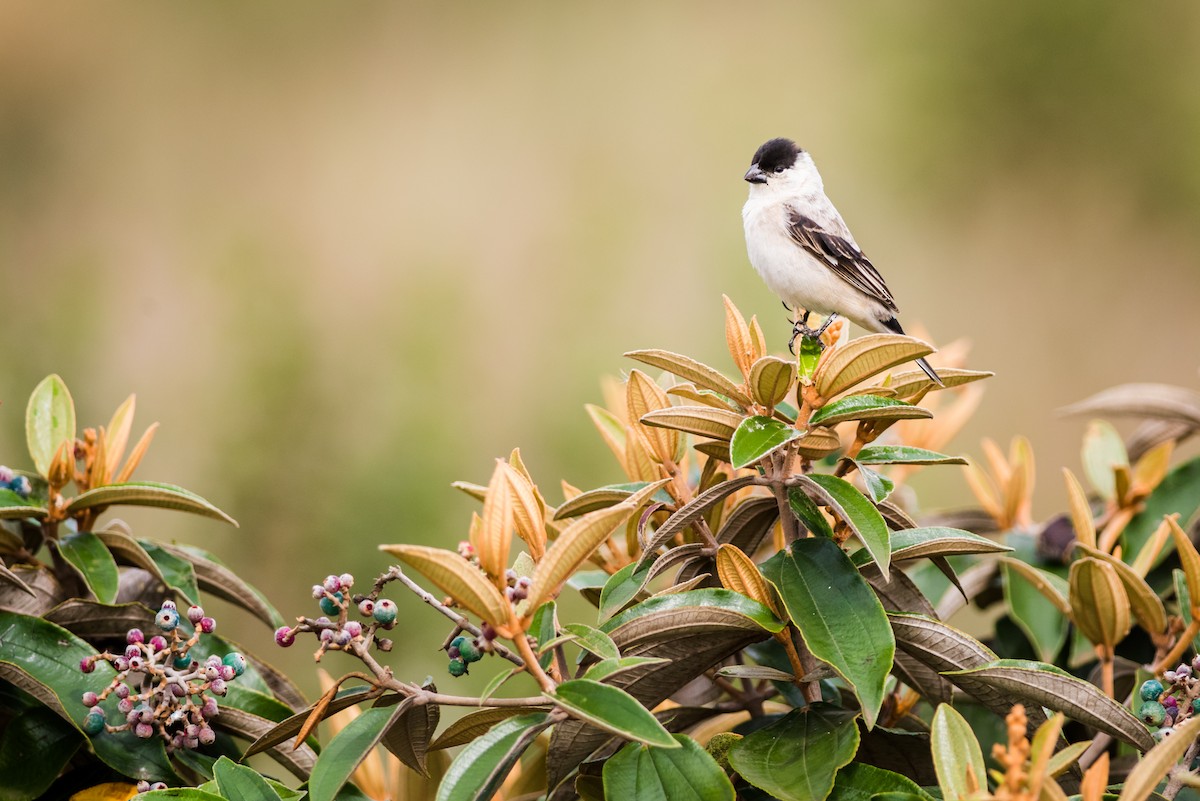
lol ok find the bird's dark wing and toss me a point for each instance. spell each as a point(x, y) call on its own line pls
point(842, 256)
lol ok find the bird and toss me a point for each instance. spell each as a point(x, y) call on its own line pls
point(802, 248)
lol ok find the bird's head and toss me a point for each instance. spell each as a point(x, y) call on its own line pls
point(781, 165)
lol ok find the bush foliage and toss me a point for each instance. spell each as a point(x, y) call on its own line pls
point(768, 618)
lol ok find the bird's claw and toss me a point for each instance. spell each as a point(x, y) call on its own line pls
point(800, 328)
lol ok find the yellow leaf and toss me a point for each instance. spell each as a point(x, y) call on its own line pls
point(493, 539)
point(1189, 560)
point(1018, 496)
point(135, 458)
point(1148, 555)
point(640, 464)
point(739, 573)
point(1152, 468)
point(117, 437)
point(1095, 780)
point(702, 420)
point(757, 339)
point(528, 514)
point(1143, 600)
point(691, 370)
point(1081, 510)
point(912, 382)
point(770, 380)
point(985, 492)
point(818, 443)
point(109, 791)
point(459, 579)
point(574, 545)
point(689, 392)
point(643, 396)
point(844, 366)
point(737, 338)
point(611, 428)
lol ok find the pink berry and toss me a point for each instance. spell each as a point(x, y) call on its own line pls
point(332, 583)
point(366, 607)
point(144, 731)
point(87, 665)
point(208, 625)
point(135, 636)
point(346, 580)
point(158, 643)
point(284, 637)
point(353, 628)
point(194, 614)
point(90, 699)
point(122, 691)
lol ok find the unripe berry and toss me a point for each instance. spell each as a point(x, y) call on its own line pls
point(94, 722)
point(90, 699)
point(1163, 734)
point(366, 607)
point(6, 474)
point(347, 580)
point(167, 619)
point(469, 650)
point(331, 605)
point(158, 786)
point(326, 635)
point(1150, 690)
point(318, 592)
point(385, 611)
point(1152, 713)
point(1183, 671)
point(194, 614)
point(21, 486)
point(125, 706)
point(134, 636)
point(236, 661)
point(353, 628)
point(453, 652)
point(332, 583)
point(284, 637)
point(457, 667)
point(1169, 677)
point(143, 786)
point(342, 638)
point(209, 710)
point(144, 730)
point(87, 665)
point(182, 662)
point(122, 691)
point(207, 736)
point(167, 604)
point(208, 625)
point(218, 686)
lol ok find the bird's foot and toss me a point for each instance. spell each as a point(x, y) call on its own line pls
point(800, 328)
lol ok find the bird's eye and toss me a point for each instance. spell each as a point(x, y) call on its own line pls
point(779, 169)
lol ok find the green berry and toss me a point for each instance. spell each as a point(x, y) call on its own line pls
point(385, 611)
point(235, 661)
point(1196, 706)
point(457, 667)
point(1152, 713)
point(470, 652)
point(1151, 689)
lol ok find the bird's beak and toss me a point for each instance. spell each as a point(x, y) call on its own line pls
point(755, 175)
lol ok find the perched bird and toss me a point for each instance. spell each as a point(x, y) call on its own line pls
point(803, 250)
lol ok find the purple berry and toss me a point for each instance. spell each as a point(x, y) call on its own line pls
point(136, 663)
point(353, 628)
point(347, 580)
point(384, 644)
point(1183, 671)
point(194, 614)
point(90, 699)
point(228, 673)
point(134, 636)
point(1169, 702)
point(145, 714)
point(318, 592)
point(209, 710)
point(1170, 677)
point(158, 786)
point(178, 690)
point(125, 706)
point(208, 625)
point(326, 635)
point(168, 604)
point(122, 691)
point(332, 583)
point(284, 637)
point(131, 651)
point(218, 686)
point(6, 474)
point(158, 643)
point(207, 736)
point(191, 743)
point(144, 730)
point(121, 664)
point(87, 665)
point(143, 786)
point(342, 638)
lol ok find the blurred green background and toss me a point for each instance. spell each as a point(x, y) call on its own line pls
point(348, 254)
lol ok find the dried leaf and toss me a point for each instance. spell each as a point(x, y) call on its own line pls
point(1160, 401)
point(915, 382)
point(492, 540)
point(573, 546)
point(705, 421)
point(611, 428)
point(845, 366)
point(1081, 510)
point(1144, 601)
point(116, 438)
point(644, 396)
point(770, 380)
point(135, 457)
point(529, 512)
point(737, 338)
point(691, 370)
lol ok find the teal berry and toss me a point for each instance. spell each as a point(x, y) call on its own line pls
point(94, 722)
point(235, 661)
point(1196, 706)
point(181, 662)
point(1152, 713)
point(167, 619)
point(331, 606)
point(1151, 689)
point(457, 667)
point(385, 611)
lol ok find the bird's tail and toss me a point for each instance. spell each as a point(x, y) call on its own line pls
point(892, 324)
point(929, 371)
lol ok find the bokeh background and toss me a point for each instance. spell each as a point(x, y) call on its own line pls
point(348, 254)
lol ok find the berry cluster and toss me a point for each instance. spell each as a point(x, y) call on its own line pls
point(1169, 702)
point(333, 595)
point(11, 481)
point(160, 688)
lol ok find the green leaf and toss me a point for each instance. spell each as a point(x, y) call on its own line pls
point(593, 640)
point(838, 615)
point(15, 507)
point(34, 748)
point(343, 753)
point(758, 436)
point(43, 659)
point(613, 710)
point(862, 517)
point(479, 769)
point(1178, 492)
point(806, 509)
point(476, 724)
point(687, 773)
point(240, 783)
point(147, 493)
point(879, 486)
point(176, 571)
point(179, 794)
point(796, 757)
point(903, 454)
point(49, 421)
point(95, 563)
point(713, 598)
point(622, 588)
point(861, 782)
point(1103, 450)
point(866, 407)
point(957, 757)
point(810, 354)
point(544, 629)
point(610, 667)
point(1044, 625)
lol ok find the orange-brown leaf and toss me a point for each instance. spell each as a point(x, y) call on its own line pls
point(493, 539)
point(739, 573)
point(135, 458)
